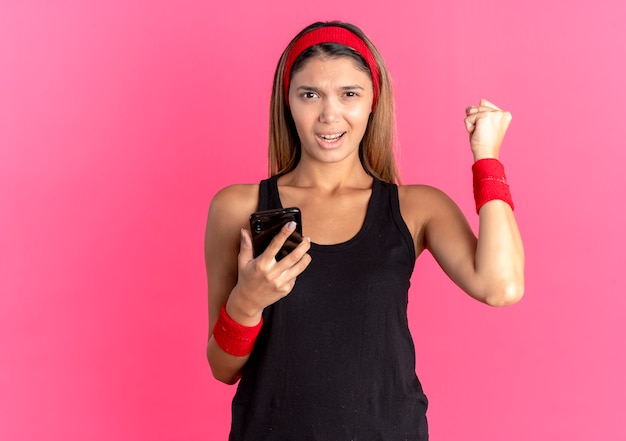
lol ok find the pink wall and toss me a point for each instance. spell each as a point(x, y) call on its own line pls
point(119, 120)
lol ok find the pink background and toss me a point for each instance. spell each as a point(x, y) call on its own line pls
point(119, 121)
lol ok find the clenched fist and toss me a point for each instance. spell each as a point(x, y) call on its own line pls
point(486, 125)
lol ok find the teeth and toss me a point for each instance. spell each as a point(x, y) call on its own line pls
point(331, 137)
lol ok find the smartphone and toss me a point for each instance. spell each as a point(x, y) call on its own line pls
point(264, 225)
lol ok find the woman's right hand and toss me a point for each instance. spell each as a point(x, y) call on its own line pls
point(263, 281)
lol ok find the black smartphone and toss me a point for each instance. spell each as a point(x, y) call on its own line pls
point(264, 225)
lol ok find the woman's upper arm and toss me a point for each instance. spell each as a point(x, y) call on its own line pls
point(228, 213)
point(489, 268)
point(439, 226)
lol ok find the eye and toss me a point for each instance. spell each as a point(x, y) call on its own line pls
point(308, 95)
point(351, 94)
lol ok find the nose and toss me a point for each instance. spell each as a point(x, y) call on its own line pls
point(329, 111)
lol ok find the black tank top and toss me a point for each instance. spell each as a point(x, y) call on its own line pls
point(335, 359)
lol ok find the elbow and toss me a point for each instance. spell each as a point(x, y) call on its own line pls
point(506, 294)
point(225, 378)
point(221, 371)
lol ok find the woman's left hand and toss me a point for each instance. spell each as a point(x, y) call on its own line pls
point(486, 125)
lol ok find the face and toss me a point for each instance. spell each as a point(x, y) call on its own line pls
point(330, 100)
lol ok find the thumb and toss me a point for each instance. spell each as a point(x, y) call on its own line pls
point(245, 247)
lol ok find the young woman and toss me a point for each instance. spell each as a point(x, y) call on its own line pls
point(319, 341)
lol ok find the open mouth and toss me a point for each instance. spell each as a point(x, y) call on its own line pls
point(331, 138)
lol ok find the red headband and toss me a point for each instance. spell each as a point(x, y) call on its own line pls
point(331, 34)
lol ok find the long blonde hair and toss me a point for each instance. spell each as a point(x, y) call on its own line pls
point(377, 146)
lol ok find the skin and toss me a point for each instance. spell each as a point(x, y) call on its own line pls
point(330, 97)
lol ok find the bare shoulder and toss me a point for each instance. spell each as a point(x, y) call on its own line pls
point(234, 201)
point(422, 199)
point(420, 191)
point(229, 212)
point(420, 205)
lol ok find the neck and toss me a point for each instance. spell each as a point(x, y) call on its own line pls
point(328, 177)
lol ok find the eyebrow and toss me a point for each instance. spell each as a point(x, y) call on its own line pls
point(315, 89)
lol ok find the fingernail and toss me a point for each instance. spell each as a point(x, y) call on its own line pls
point(242, 234)
point(291, 226)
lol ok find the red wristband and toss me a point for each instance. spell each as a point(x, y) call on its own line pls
point(234, 338)
point(490, 182)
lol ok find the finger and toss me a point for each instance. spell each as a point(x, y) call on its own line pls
point(491, 114)
point(291, 243)
point(291, 266)
point(246, 252)
point(483, 110)
point(296, 269)
point(470, 123)
point(297, 252)
point(277, 242)
point(485, 103)
point(302, 264)
point(472, 110)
